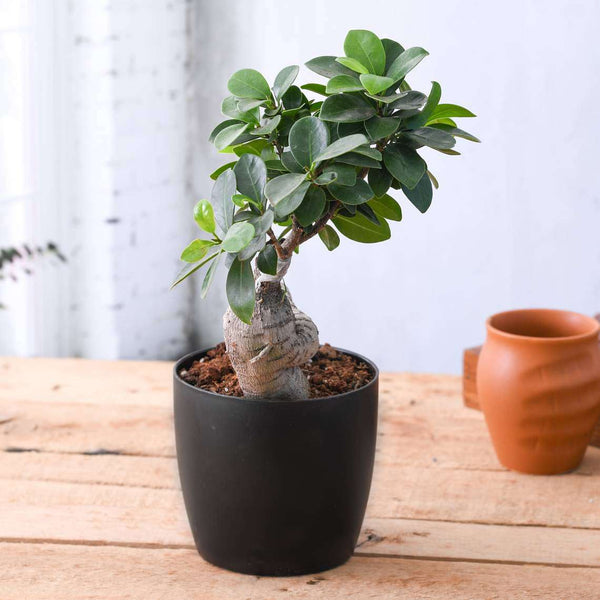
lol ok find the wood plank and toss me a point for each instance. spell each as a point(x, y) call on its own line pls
point(148, 383)
point(141, 525)
point(485, 497)
point(79, 428)
point(48, 571)
point(468, 541)
point(84, 381)
point(101, 469)
point(49, 511)
point(433, 431)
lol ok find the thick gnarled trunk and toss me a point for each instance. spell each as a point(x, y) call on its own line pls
point(268, 353)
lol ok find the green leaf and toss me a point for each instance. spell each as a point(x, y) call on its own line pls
point(369, 152)
point(410, 100)
point(204, 216)
point(274, 168)
point(343, 83)
point(261, 224)
point(329, 237)
point(286, 206)
point(357, 194)
point(386, 207)
point(251, 176)
point(196, 250)
point(392, 51)
point(360, 229)
point(421, 194)
point(342, 146)
point(369, 213)
point(266, 260)
point(290, 163)
point(380, 181)
point(190, 268)
point(449, 152)
point(222, 125)
point(208, 278)
point(381, 127)
point(456, 132)
point(317, 88)
point(284, 80)
point(308, 138)
point(404, 164)
point(269, 127)
point(226, 137)
point(326, 178)
point(312, 206)
point(405, 63)
point(352, 64)
point(222, 168)
point(441, 121)
point(375, 84)
point(248, 83)
point(327, 66)
point(241, 200)
point(432, 101)
point(293, 98)
point(365, 47)
point(436, 185)
point(449, 110)
point(230, 107)
point(245, 105)
point(358, 160)
point(220, 199)
point(434, 138)
point(240, 290)
point(280, 187)
point(253, 146)
point(344, 174)
point(239, 235)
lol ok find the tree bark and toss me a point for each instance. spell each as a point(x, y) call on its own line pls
point(268, 353)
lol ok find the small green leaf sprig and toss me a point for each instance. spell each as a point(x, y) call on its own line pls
point(17, 259)
point(303, 165)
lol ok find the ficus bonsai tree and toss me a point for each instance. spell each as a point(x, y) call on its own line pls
point(304, 168)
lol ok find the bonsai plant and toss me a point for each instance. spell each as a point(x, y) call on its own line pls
point(301, 168)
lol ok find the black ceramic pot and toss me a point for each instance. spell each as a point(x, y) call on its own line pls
point(275, 487)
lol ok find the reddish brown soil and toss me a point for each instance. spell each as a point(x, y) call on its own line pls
point(329, 373)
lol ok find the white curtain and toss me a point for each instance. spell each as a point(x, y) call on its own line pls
point(93, 152)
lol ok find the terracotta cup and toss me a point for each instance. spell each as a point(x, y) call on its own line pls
point(538, 381)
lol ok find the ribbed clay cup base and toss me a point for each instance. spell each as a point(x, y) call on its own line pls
point(275, 487)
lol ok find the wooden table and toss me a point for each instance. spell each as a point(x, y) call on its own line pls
point(90, 505)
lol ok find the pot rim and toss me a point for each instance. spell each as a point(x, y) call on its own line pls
point(588, 335)
point(197, 353)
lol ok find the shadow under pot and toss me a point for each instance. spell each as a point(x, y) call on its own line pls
point(538, 380)
point(275, 487)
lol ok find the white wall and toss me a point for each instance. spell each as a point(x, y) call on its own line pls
point(125, 149)
point(138, 88)
point(516, 220)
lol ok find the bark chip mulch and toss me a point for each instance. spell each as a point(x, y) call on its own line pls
point(329, 373)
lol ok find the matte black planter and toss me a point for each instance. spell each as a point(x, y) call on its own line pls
point(275, 487)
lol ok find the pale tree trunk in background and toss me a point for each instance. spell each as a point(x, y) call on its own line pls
point(268, 353)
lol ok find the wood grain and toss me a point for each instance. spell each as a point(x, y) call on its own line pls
point(90, 505)
point(51, 571)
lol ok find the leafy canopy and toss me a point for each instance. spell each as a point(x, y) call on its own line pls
point(299, 165)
